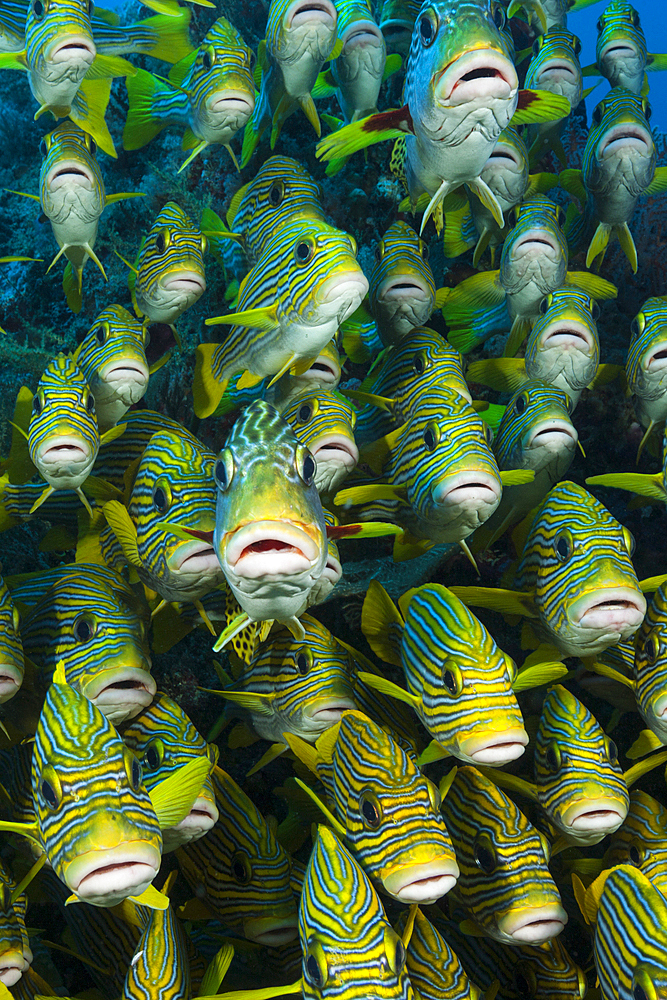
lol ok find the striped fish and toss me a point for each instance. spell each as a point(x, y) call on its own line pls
point(12, 26)
point(112, 359)
point(575, 581)
point(645, 370)
point(349, 948)
point(401, 292)
point(563, 349)
point(621, 54)
point(15, 952)
point(299, 40)
point(504, 887)
point(614, 174)
point(356, 75)
point(210, 92)
point(168, 275)
point(63, 438)
point(305, 284)
point(239, 871)
point(397, 20)
point(642, 839)
point(164, 739)
point(384, 809)
point(434, 969)
point(91, 620)
point(324, 422)
point(460, 689)
point(554, 67)
point(650, 649)
point(12, 663)
point(160, 966)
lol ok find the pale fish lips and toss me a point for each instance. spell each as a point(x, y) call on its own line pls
point(556, 71)
point(106, 877)
point(270, 548)
point(598, 816)
point(323, 371)
point(119, 693)
point(362, 34)
point(128, 379)
point(189, 283)
point(12, 966)
point(655, 360)
point(11, 679)
point(624, 137)
point(615, 610)
point(568, 335)
point(554, 435)
point(195, 558)
point(308, 11)
point(494, 748)
point(76, 49)
point(234, 103)
point(503, 158)
point(472, 490)
point(620, 49)
point(532, 925)
point(405, 287)
point(336, 456)
point(423, 884)
point(326, 711)
point(341, 294)
point(65, 458)
point(271, 931)
point(70, 173)
point(202, 817)
point(485, 74)
point(536, 241)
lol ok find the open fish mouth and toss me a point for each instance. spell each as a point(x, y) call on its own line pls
point(422, 884)
point(496, 749)
point(595, 817)
point(11, 679)
point(184, 281)
point(120, 694)
point(70, 173)
point(656, 360)
point(621, 49)
point(336, 449)
point(65, 450)
point(106, 877)
point(73, 48)
point(556, 71)
point(194, 557)
point(328, 711)
point(534, 926)
point(309, 11)
point(341, 294)
point(270, 548)
point(569, 334)
point(362, 34)
point(122, 372)
point(323, 370)
point(627, 135)
point(270, 931)
point(553, 434)
point(232, 102)
point(404, 286)
point(202, 817)
point(12, 966)
point(536, 241)
point(503, 158)
point(468, 489)
point(618, 609)
point(481, 74)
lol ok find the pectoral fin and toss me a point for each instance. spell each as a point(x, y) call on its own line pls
point(174, 797)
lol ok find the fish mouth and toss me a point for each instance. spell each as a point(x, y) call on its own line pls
point(555, 435)
point(12, 966)
point(623, 49)
point(323, 371)
point(271, 931)
point(120, 694)
point(482, 73)
point(570, 334)
point(362, 34)
point(202, 817)
point(328, 711)
point(469, 489)
point(194, 557)
point(656, 361)
point(342, 294)
point(106, 877)
point(534, 926)
point(125, 372)
point(536, 241)
point(73, 48)
point(501, 158)
point(308, 11)
point(423, 884)
point(595, 816)
point(11, 679)
point(617, 609)
point(70, 173)
point(233, 101)
point(336, 449)
point(65, 450)
point(627, 135)
point(404, 287)
point(270, 548)
point(556, 71)
point(185, 281)
point(496, 749)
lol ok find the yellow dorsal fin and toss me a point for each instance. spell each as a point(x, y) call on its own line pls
point(59, 673)
point(237, 198)
point(379, 619)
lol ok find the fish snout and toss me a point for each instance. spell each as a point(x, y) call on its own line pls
point(13, 963)
point(482, 74)
point(422, 883)
point(472, 490)
point(270, 548)
point(75, 49)
point(615, 609)
point(304, 12)
point(107, 876)
point(533, 925)
point(495, 748)
point(272, 931)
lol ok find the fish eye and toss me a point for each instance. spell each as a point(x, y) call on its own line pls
point(642, 985)
point(277, 193)
point(163, 240)
point(635, 855)
point(432, 436)
point(49, 793)
point(424, 250)
point(304, 413)
point(224, 470)
point(524, 980)
point(154, 754)
point(600, 24)
point(611, 750)
point(37, 403)
point(499, 17)
point(379, 251)
point(648, 111)
point(576, 45)
point(595, 311)
point(39, 9)
point(634, 17)
point(488, 433)
point(484, 855)
point(133, 770)
point(89, 403)
point(208, 58)
point(651, 648)
point(545, 303)
point(102, 333)
point(306, 465)
point(304, 251)
point(637, 325)
point(561, 215)
point(598, 113)
point(43, 148)
point(629, 541)
point(316, 969)
point(84, 627)
point(240, 868)
point(419, 364)
point(563, 546)
point(521, 403)
point(553, 757)
point(452, 679)
point(537, 45)
point(304, 662)
point(394, 951)
point(161, 496)
point(370, 810)
point(428, 28)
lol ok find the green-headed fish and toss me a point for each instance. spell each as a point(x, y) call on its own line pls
point(324, 421)
point(168, 275)
point(618, 168)
point(349, 947)
point(397, 20)
point(211, 92)
point(299, 39)
point(575, 581)
point(385, 810)
point(12, 663)
point(620, 53)
point(164, 739)
point(554, 67)
point(305, 284)
point(401, 292)
point(504, 887)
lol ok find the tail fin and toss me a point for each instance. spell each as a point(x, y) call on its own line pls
point(170, 37)
point(142, 123)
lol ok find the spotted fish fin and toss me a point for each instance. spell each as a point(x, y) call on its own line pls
point(382, 623)
point(235, 626)
point(539, 106)
point(365, 132)
point(645, 743)
point(174, 797)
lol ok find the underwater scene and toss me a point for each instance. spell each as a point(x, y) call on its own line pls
point(333, 594)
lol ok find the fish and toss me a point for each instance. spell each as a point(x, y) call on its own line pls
point(70, 60)
point(168, 275)
point(72, 196)
point(451, 122)
point(299, 40)
point(15, 952)
point(290, 305)
point(12, 26)
point(210, 91)
point(324, 422)
point(462, 692)
point(575, 582)
point(621, 54)
point(349, 946)
point(90, 620)
point(434, 969)
point(544, 14)
point(112, 359)
point(618, 168)
point(563, 350)
point(536, 433)
point(504, 887)
point(385, 811)
point(533, 263)
point(397, 20)
point(239, 872)
point(160, 965)
point(164, 739)
point(640, 840)
point(401, 293)
point(554, 67)
point(12, 660)
point(645, 371)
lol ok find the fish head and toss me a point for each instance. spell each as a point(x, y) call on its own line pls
point(463, 679)
point(333, 570)
point(170, 267)
point(563, 347)
point(324, 373)
point(401, 288)
point(112, 359)
point(12, 664)
point(96, 821)
point(555, 65)
point(504, 885)
point(63, 439)
point(397, 21)
point(619, 150)
point(270, 534)
point(650, 648)
point(324, 422)
point(460, 77)
point(15, 952)
point(359, 68)
point(506, 170)
point(300, 36)
point(60, 49)
point(646, 364)
point(220, 82)
point(536, 431)
point(620, 51)
point(346, 955)
point(70, 180)
point(640, 840)
point(535, 251)
point(580, 784)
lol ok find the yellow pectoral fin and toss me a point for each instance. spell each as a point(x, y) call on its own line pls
point(253, 702)
point(645, 743)
point(387, 687)
point(381, 623)
point(335, 823)
point(433, 752)
point(305, 752)
point(174, 797)
point(216, 970)
point(508, 602)
point(152, 898)
point(638, 770)
point(510, 782)
point(517, 477)
point(265, 318)
point(536, 676)
point(123, 528)
point(366, 494)
point(235, 626)
point(248, 380)
point(540, 106)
